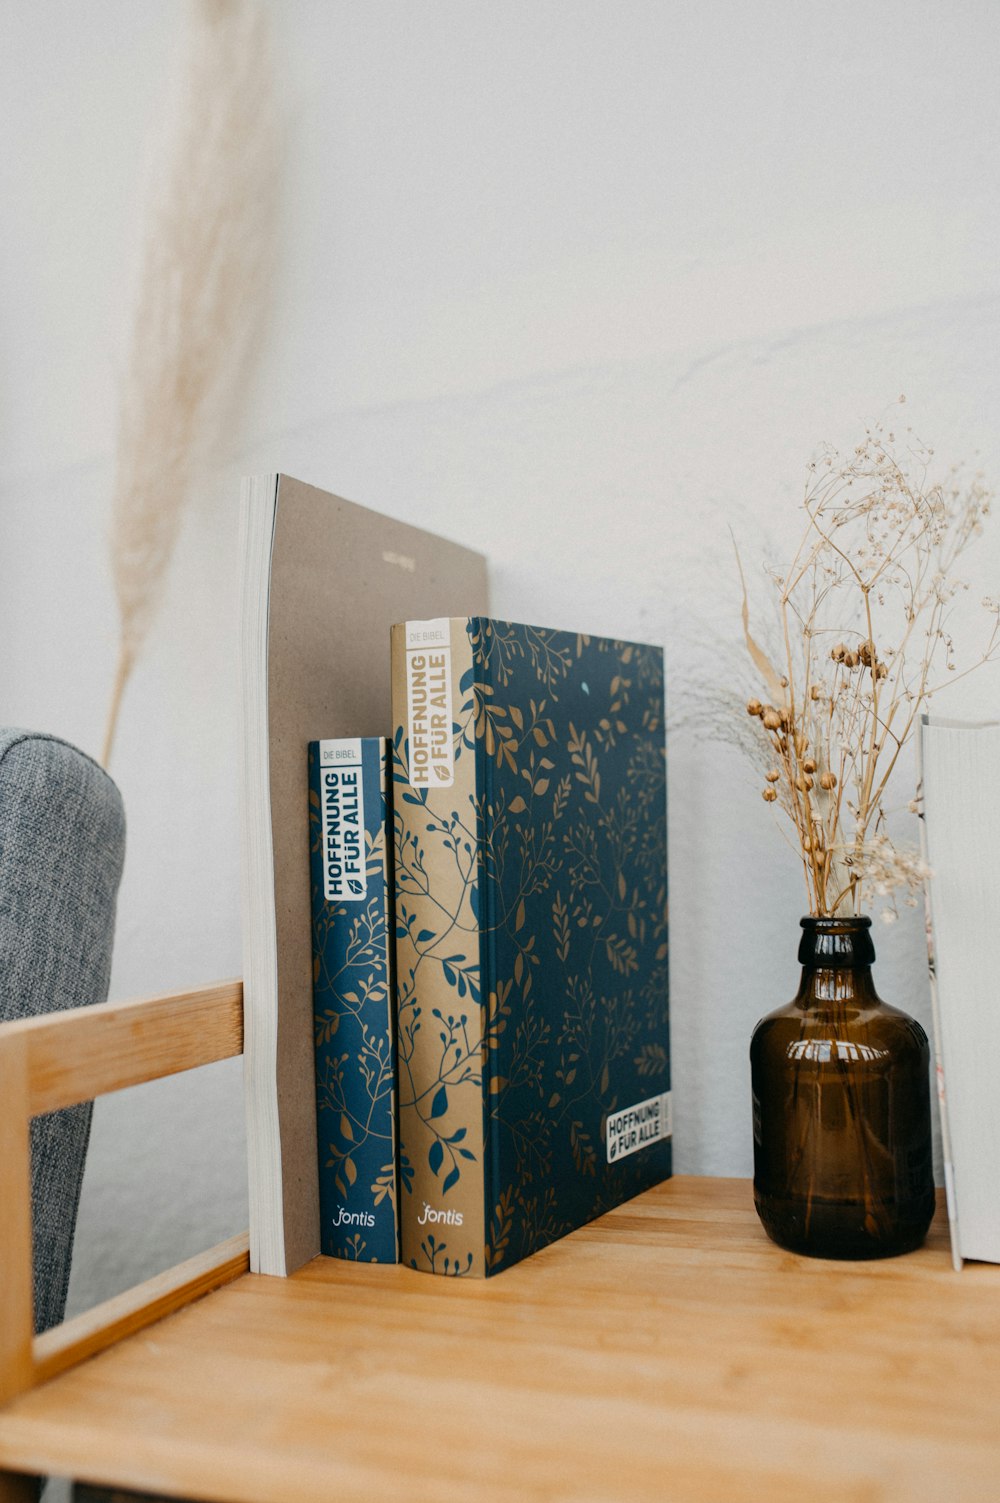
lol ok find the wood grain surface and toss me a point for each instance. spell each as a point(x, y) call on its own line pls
point(75, 1340)
point(16, 1298)
point(666, 1352)
point(82, 1052)
point(58, 1060)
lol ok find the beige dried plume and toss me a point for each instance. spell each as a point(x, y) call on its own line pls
point(205, 260)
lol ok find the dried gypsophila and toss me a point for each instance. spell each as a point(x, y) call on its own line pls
point(892, 871)
point(864, 642)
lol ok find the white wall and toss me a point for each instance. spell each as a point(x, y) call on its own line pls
point(579, 284)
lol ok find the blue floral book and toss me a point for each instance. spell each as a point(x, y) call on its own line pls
point(531, 935)
point(351, 870)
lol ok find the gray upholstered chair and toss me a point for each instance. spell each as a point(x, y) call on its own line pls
point(62, 845)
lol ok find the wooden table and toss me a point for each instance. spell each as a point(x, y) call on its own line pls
point(668, 1352)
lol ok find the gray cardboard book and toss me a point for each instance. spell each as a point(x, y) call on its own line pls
point(960, 805)
point(321, 582)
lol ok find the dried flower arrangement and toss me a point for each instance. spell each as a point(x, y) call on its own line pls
point(863, 611)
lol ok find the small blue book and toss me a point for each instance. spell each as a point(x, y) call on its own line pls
point(351, 882)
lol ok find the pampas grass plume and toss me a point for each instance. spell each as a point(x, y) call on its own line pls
point(205, 262)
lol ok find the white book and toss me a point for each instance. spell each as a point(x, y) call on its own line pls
point(960, 780)
point(322, 581)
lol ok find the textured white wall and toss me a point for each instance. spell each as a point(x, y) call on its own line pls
point(579, 284)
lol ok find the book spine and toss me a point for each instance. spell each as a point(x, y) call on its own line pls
point(353, 957)
point(438, 861)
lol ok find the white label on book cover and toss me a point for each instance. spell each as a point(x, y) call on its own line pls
point(428, 704)
point(638, 1127)
point(342, 798)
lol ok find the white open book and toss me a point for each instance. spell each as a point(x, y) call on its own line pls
point(960, 776)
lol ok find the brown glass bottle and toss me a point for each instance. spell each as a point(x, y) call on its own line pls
point(841, 1108)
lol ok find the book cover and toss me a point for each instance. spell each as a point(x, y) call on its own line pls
point(960, 830)
point(531, 935)
point(351, 876)
point(321, 582)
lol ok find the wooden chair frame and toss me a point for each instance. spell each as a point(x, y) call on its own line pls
point(59, 1060)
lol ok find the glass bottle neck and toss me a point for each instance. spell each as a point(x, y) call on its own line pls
point(823, 984)
point(836, 956)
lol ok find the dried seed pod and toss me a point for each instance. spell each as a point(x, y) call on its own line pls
point(816, 691)
point(769, 795)
point(880, 670)
point(866, 652)
point(828, 780)
point(754, 707)
point(838, 653)
point(771, 719)
point(851, 660)
point(809, 765)
point(803, 784)
point(773, 775)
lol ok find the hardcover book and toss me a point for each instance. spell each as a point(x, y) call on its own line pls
point(531, 935)
point(321, 582)
point(351, 871)
point(960, 830)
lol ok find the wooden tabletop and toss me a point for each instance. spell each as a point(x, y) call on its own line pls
point(668, 1353)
